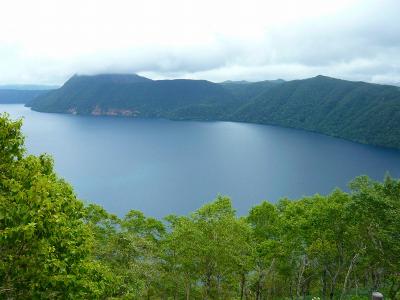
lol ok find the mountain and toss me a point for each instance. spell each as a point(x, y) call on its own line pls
point(19, 96)
point(133, 95)
point(357, 111)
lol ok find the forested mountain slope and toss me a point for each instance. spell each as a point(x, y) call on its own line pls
point(132, 95)
point(358, 111)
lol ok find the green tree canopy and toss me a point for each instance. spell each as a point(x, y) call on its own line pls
point(43, 239)
point(340, 246)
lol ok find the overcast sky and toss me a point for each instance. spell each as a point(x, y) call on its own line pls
point(47, 41)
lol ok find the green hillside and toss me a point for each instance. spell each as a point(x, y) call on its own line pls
point(357, 111)
point(132, 95)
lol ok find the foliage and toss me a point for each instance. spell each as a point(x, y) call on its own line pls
point(43, 239)
point(338, 246)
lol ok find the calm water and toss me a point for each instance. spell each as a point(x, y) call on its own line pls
point(163, 167)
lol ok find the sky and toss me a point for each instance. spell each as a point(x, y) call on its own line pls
point(47, 41)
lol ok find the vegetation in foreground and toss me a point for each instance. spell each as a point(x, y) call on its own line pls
point(340, 246)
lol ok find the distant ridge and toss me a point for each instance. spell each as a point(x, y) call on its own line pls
point(28, 87)
point(235, 82)
point(357, 111)
point(108, 78)
point(11, 96)
point(22, 93)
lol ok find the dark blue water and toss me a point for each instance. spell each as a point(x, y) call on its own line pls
point(163, 167)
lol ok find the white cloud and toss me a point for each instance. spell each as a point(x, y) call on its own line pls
point(46, 41)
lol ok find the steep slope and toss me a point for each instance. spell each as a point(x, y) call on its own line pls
point(358, 111)
point(132, 95)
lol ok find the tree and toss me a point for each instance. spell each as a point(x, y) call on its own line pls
point(212, 249)
point(53, 247)
point(44, 243)
point(264, 220)
point(130, 247)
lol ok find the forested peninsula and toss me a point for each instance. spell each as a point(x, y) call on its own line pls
point(357, 111)
point(53, 246)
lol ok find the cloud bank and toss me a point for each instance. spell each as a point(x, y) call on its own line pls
point(47, 41)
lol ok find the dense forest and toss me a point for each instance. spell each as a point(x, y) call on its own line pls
point(340, 246)
point(357, 111)
point(133, 95)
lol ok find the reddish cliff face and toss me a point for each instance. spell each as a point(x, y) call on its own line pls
point(98, 111)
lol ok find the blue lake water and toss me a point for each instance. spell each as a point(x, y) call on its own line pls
point(162, 167)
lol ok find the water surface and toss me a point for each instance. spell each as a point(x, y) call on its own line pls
point(162, 167)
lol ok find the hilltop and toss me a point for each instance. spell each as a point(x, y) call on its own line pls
point(133, 95)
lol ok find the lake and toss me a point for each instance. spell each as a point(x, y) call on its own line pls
point(162, 167)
